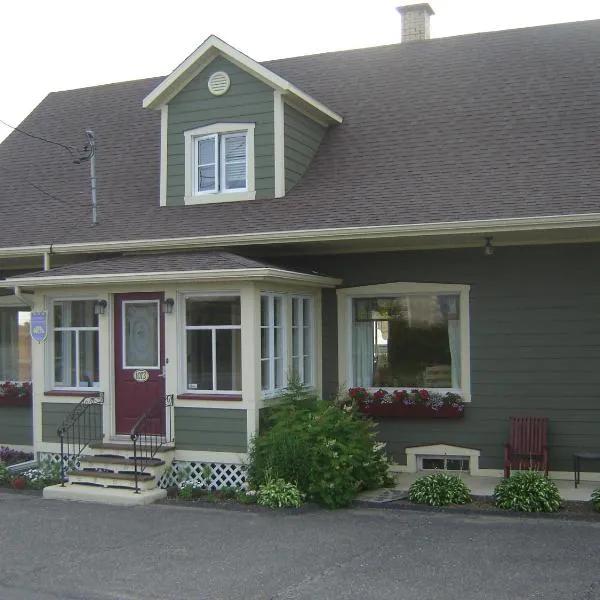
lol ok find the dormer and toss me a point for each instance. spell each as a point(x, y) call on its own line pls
point(232, 130)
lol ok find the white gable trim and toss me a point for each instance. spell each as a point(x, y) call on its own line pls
point(279, 144)
point(205, 53)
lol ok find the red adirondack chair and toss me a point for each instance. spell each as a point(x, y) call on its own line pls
point(527, 446)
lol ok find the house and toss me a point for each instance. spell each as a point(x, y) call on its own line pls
point(424, 214)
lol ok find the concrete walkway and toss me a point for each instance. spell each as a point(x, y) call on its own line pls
point(484, 486)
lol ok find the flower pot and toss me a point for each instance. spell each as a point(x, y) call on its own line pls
point(19, 483)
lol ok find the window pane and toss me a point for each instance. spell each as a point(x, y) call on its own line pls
point(278, 373)
point(265, 376)
point(296, 365)
point(140, 331)
point(88, 359)
point(206, 151)
point(264, 310)
point(235, 147)
point(78, 313)
point(308, 377)
point(278, 310)
point(206, 178)
point(234, 157)
point(199, 360)
point(214, 311)
point(65, 348)
point(408, 341)
point(235, 176)
point(15, 345)
point(278, 340)
point(295, 311)
point(307, 340)
point(296, 332)
point(265, 347)
point(229, 361)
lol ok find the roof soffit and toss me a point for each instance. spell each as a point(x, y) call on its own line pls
point(206, 53)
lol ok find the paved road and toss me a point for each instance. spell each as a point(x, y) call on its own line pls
point(51, 550)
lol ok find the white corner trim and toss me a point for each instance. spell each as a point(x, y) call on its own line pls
point(219, 197)
point(412, 453)
point(344, 309)
point(168, 87)
point(279, 144)
point(164, 121)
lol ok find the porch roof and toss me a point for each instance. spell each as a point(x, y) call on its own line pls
point(174, 266)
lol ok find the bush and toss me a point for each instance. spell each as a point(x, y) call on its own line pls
point(596, 499)
point(4, 474)
point(327, 451)
point(278, 493)
point(439, 489)
point(47, 473)
point(527, 491)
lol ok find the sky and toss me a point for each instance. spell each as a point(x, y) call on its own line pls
point(65, 44)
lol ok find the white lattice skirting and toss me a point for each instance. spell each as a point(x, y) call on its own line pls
point(208, 475)
point(54, 457)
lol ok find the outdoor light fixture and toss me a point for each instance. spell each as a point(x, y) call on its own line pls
point(488, 249)
point(167, 305)
point(100, 307)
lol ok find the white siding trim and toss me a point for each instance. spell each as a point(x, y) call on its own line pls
point(164, 121)
point(279, 144)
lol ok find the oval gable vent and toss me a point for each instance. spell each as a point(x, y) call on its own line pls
point(218, 83)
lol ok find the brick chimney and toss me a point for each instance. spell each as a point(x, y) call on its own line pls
point(415, 21)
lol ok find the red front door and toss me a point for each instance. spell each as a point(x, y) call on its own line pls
point(139, 359)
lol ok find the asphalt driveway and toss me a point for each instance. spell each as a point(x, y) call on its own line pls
point(54, 550)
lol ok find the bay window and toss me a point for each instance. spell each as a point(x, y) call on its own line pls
point(272, 342)
point(15, 344)
point(302, 340)
point(75, 344)
point(213, 344)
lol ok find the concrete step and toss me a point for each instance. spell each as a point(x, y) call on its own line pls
point(118, 464)
point(125, 450)
point(97, 478)
point(102, 495)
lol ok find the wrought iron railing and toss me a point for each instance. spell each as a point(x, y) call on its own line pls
point(147, 443)
point(82, 427)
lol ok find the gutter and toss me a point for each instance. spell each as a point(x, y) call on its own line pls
point(489, 226)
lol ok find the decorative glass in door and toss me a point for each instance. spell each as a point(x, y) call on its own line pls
point(141, 335)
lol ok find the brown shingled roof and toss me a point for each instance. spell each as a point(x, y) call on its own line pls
point(485, 126)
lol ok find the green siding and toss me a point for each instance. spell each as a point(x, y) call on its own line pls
point(247, 101)
point(535, 343)
point(302, 139)
point(16, 425)
point(211, 429)
point(54, 414)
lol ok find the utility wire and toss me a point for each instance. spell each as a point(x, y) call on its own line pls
point(70, 149)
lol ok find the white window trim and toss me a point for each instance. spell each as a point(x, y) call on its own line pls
point(312, 331)
point(213, 328)
point(50, 357)
point(191, 136)
point(345, 297)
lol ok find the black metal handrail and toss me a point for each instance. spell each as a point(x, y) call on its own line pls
point(82, 426)
point(145, 443)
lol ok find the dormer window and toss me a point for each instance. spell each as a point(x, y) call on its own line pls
point(219, 163)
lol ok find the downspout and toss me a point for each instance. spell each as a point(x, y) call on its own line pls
point(19, 295)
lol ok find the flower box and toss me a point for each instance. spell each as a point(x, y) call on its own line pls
point(408, 404)
point(416, 411)
point(15, 394)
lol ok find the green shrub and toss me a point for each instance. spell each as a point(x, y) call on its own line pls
point(46, 473)
point(439, 489)
point(4, 474)
point(327, 451)
point(596, 499)
point(527, 491)
point(278, 493)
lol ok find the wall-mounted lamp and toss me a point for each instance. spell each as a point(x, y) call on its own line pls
point(100, 307)
point(167, 305)
point(488, 249)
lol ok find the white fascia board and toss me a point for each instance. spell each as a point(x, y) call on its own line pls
point(196, 61)
point(196, 276)
point(332, 234)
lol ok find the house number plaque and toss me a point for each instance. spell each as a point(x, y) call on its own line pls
point(141, 375)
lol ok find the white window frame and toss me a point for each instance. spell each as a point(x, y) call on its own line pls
point(345, 313)
point(218, 194)
point(273, 390)
point(51, 354)
point(213, 329)
point(125, 366)
point(299, 330)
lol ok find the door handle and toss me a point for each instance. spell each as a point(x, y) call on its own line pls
point(163, 373)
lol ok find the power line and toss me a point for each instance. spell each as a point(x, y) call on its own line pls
point(69, 149)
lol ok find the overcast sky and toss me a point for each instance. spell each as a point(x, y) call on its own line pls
point(50, 45)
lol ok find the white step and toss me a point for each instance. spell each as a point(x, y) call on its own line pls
point(113, 464)
point(85, 493)
point(119, 480)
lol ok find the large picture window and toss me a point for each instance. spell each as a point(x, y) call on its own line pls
point(75, 344)
point(407, 341)
point(15, 344)
point(213, 344)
